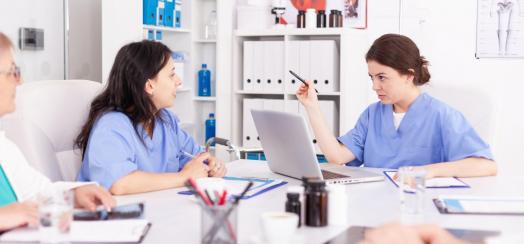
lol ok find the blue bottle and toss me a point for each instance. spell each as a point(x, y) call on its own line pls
point(204, 82)
point(210, 126)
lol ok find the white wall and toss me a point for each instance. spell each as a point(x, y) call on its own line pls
point(117, 30)
point(447, 39)
point(48, 15)
point(85, 40)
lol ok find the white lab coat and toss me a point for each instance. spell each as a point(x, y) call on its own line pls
point(27, 182)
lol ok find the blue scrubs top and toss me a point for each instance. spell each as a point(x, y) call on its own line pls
point(430, 132)
point(115, 150)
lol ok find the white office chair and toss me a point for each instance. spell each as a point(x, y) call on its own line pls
point(47, 119)
point(476, 105)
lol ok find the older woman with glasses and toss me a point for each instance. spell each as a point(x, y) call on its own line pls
point(19, 183)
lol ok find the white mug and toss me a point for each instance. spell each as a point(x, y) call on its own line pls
point(279, 227)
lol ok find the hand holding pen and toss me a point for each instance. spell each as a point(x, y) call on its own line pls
point(216, 167)
point(197, 168)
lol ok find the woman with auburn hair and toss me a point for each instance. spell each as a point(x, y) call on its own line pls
point(406, 127)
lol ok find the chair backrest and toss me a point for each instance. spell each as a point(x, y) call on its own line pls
point(48, 117)
point(476, 105)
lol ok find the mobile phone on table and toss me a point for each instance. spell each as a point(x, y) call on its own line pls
point(300, 79)
point(128, 211)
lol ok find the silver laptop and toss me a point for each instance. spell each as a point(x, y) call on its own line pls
point(289, 150)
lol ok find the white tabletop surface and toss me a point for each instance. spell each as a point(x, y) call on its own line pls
point(176, 218)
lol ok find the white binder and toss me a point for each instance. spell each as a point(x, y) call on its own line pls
point(249, 135)
point(293, 60)
point(324, 65)
point(292, 106)
point(274, 104)
point(273, 66)
point(258, 66)
point(305, 57)
point(248, 73)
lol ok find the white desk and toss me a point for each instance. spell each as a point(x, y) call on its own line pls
point(176, 218)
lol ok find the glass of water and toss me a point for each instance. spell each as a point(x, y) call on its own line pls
point(56, 216)
point(412, 190)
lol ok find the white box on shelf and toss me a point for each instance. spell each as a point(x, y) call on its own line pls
point(250, 136)
point(324, 65)
point(248, 71)
point(293, 63)
point(273, 66)
point(254, 17)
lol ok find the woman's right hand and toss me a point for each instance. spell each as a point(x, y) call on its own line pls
point(196, 168)
point(18, 214)
point(307, 95)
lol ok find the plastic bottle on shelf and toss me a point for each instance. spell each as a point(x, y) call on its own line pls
point(311, 18)
point(210, 28)
point(210, 126)
point(204, 82)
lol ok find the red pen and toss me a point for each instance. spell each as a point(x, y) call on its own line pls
point(199, 192)
point(223, 198)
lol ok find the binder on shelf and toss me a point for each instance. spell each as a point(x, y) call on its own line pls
point(330, 113)
point(250, 136)
point(158, 35)
point(273, 104)
point(178, 14)
point(248, 74)
point(292, 106)
point(324, 65)
point(293, 57)
point(273, 66)
point(258, 65)
point(149, 12)
point(169, 12)
point(304, 63)
point(160, 12)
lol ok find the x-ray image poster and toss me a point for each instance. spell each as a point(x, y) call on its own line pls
point(500, 28)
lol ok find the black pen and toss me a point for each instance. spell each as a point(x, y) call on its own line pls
point(300, 79)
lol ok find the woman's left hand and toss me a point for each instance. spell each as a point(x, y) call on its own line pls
point(217, 168)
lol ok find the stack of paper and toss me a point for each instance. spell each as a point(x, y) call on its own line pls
point(130, 231)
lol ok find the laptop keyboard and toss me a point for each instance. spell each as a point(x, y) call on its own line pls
point(331, 175)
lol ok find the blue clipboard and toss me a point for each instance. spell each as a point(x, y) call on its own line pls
point(464, 184)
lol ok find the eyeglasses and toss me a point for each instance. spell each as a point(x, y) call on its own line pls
point(15, 72)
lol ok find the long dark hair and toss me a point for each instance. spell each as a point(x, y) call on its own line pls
point(134, 64)
point(400, 53)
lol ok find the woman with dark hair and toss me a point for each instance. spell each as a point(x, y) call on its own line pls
point(407, 127)
point(20, 184)
point(131, 143)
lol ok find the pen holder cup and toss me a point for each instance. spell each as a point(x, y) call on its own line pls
point(219, 224)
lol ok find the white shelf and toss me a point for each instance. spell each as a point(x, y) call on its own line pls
point(164, 28)
point(258, 92)
point(323, 94)
point(210, 41)
point(205, 99)
point(292, 32)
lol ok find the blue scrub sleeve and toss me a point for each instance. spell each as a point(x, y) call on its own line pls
point(355, 139)
point(110, 155)
point(184, 140)
point(460, 140)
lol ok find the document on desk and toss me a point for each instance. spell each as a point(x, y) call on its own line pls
point(480, 205)
point(128, 231)
point(235, 185)
point(440, 182)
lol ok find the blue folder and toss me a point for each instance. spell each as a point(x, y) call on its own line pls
point(254, 191)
